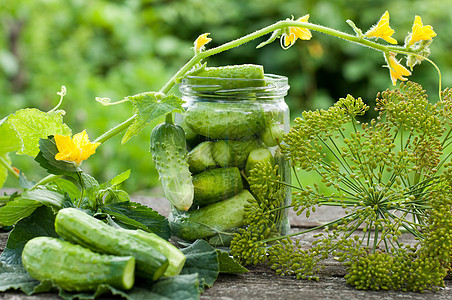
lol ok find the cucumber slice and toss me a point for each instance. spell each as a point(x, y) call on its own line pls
point(223, 216)
point(216, 184)
point(200, 158)
point(256, 156)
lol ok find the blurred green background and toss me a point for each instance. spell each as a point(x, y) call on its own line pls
point(99, 48)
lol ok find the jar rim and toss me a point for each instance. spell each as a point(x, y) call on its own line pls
point(271, 87)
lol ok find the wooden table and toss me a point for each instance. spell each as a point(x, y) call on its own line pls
point(262, 283)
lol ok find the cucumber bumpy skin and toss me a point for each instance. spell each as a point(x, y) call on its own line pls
point(76, 226)
point(219, 217)
point(75, 268)
point(216, 184)
point(233, 153)
point(225, 120)
point(169, 151)
point(175, 257)
point(200, 158)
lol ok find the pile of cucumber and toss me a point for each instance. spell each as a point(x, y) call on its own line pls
point(92, 253)
point(225, 139)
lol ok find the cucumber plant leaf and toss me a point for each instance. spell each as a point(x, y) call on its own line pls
point(148, 107)
point(10, 141)
point(43, 125)
point(134, 215)
point(26, 203)
point(229, 264)
point(202, 258)
point(17, 278)
point(39, 223)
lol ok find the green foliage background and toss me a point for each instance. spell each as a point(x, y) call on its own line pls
point(99, 48)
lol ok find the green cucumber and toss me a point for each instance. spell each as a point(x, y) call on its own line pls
point(200, 158)
point(175, 257)
point(272, 135)
point(222, 153)
point(233, 153)
point(223, 216)
point(76, 226)
point(75, 268)
point(225, 120)
point(169, 151)
point(232, 77)
point(216, 184)
point(257, 156)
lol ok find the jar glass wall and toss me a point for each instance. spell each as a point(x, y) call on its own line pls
point(230, 125)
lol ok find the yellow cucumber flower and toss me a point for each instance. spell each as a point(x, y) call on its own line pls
point(201, 41)
point(420, 32)
point(289, 37)
point(382, 30)
point(77, 149)
point(396, 70)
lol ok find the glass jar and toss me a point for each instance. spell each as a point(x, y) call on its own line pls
point(230, 124)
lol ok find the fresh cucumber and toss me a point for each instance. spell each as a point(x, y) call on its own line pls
point(222, 153)
point(272, 135)
point(175, 257)
point(76, 226)
point(233, 153)
point(169, 151)
point(75, 268)
point(216, 184)
point(225, 120)
point(257, 156)
point(200, 158)
point(229, 77)
point(223, 216)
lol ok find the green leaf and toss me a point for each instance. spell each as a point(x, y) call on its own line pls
point(47, 197)
point(177, 287)
point(24, 205)
point(135, 215)
point(16, 210)
point(148, 107)
point(202, 259)
point(69, 187)
point(43, 125)
point(39, 223)
point(10, 141)
point(17, 278)
point(46, 159)
point(24, 183)
point(115, 196)
point(228, 264)
point(118, 179)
